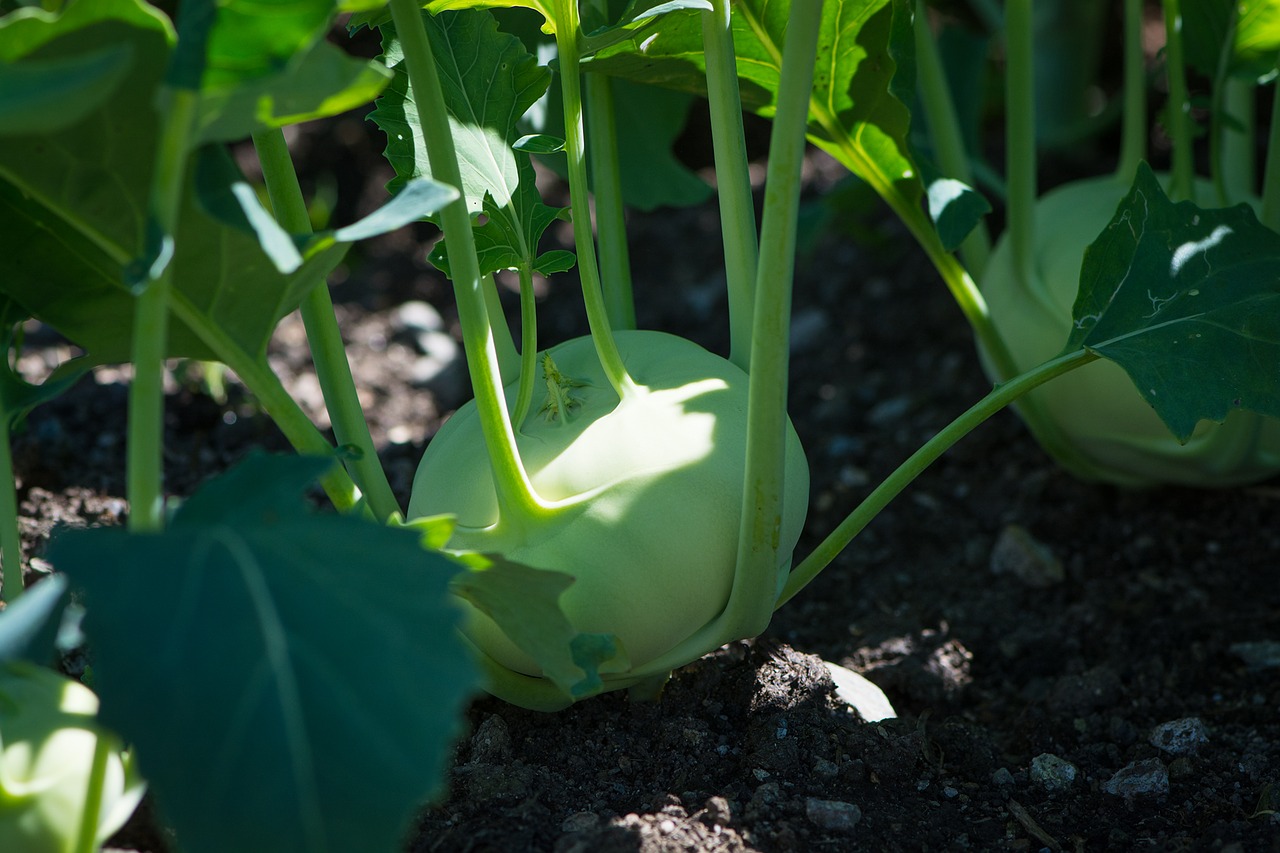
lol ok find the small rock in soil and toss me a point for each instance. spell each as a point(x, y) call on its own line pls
point(1026, 558)
point(1180, 737)
point(1139, 778)
point(1052, 773)
point(832, 814)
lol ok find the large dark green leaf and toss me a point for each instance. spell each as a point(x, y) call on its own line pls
point(1187, 301)
point(291, 681)
point(76, 84)
point(73, 206)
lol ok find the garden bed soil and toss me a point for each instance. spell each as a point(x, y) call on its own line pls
point(1075, 666)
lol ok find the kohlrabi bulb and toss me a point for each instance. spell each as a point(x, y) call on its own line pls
point(646, 493)
point(1116, 435)
point(48, 733)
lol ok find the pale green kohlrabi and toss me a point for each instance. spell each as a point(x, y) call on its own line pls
point(1117, 437)
point(643, 496)
point(48, 735)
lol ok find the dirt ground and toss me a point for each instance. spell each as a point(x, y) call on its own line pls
point(1075, 667)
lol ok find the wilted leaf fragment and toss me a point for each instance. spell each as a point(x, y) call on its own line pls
point(291, 681)
point(1187, 301)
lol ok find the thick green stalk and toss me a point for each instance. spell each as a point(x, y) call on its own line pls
point(89, 818)
point(1182, 183)
point(528, 348)
point(568, 34)
point(944, 131)
point(606, 187)
point(733, 182)
point(1222, 171)
point(256, 375)
point(755, 577)
point(1020, 136)
point(1271, 171)
point(1133, 129)
point(508, 358)
point(516, 497)
point(145, 451)
point(1239, 151)
point(10, 533)
point(323, 335)
point(906, 473)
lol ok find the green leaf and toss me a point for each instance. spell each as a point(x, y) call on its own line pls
point(256, 646)
point(854, 113)
point(75, 83)
point(955, 208)
point(489, 82)
point(227, 196)
point(524, 602)
point(29, 624)
point(17, 395)
point(1187, 301)
point(321, 81)
point(508, 237)
point(1257, 45)
point(74, 213)
point(417, 199)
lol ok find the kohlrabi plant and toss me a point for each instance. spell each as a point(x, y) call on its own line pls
point(66, 783)
point(607, 508)
point(1096, 422)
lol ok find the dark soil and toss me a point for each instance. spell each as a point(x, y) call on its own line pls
point(1128, 701)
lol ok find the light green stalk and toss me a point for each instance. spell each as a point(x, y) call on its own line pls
point(516, 497)
point(88, 830)
point(1182, 182)
point(1133, 129)
point(1271, 171)
point(944, 131)
point(568, 35)
point(145, 453)
point(1239, 155)
point(10, 534)
point(733, 182)
point(755, 577)
point(256, 375)
point(1020, 135)
point(606, 187)
point(323, 335)
point(906, 473)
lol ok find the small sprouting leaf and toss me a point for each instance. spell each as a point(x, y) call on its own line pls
point(539, 143)
point(489, 81)
point(557, 260)
point(524, 603)
point(955, 207)
point(77, 84)
point(313, 656)
point(1187, 301)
